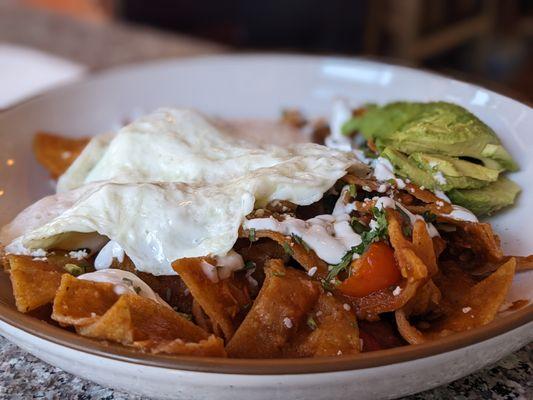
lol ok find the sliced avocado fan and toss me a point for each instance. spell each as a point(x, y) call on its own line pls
point(441, 146)
point(437, 127)
point(454, 173)
point(486, 200)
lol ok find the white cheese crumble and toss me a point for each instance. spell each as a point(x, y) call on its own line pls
point(466, 310)
point(346, 306)
point(397, 291)
point(312, 271)
point(400, 183)
point(287, 322)
point(78, 255)
point(383, 188)
point(38, 253)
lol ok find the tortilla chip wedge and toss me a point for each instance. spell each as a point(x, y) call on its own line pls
point(330, 330)
point(34, 282)
point(79, 302)
point(216, 299)
point(286, 297)
point(465, 309)
point(56, 153)
point(135, 318)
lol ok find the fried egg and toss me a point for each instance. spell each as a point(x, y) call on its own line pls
point(169, 186)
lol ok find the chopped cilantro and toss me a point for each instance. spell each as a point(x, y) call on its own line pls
point(352, 190)
point(185, 315)
point(74, 269)
point(251, 235)
point(301, 242)
point(407, 230)
point(249, 265)
point(311, 323)
point(327, 285)
point(288, 249)
point(357, 225)
point(334, 270)
point(429, 216)
point(137, 289)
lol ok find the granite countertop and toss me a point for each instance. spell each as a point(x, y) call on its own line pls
point(99, 46)
point(24, 376)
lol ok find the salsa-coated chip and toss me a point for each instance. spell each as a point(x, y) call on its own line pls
point(330, 330)
point(279, 310)
point(218, 299)
point(470, 306)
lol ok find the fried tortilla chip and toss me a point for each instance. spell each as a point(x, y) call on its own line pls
point(306, 257)
point(428, 197)
point(281, 307)
point(56, 153)
point(371, 184)
point(135, 318)
point(79, 302)
point(476, 237)
point(473, 305)
point(217, 299)
point(330, 330)
point(423, 247)
point(210, 347)
point(524, 263)
point(34, 282)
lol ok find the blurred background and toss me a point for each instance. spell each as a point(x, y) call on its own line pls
point(484, 41)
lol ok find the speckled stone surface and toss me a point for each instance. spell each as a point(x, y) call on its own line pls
point(23, 376)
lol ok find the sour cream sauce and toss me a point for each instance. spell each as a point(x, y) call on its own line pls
point(329, 236)
point(124, 282)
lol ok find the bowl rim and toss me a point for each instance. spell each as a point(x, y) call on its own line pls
point(58, 336)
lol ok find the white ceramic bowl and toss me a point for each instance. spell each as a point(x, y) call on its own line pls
point(260, 86)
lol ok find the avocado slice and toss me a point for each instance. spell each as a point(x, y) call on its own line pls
point(380, 122)
point(407, 168)
point(488, 199)
point(455, 173)
point(436, 127)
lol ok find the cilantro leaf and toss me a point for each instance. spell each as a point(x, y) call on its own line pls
point(357, 225)
point(249, 265)
point(300, 241)
point(429, 216)
point(352, 189)
point(288, 249)
point(311, 323)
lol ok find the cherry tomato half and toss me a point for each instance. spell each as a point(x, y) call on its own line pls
point(376, 270)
